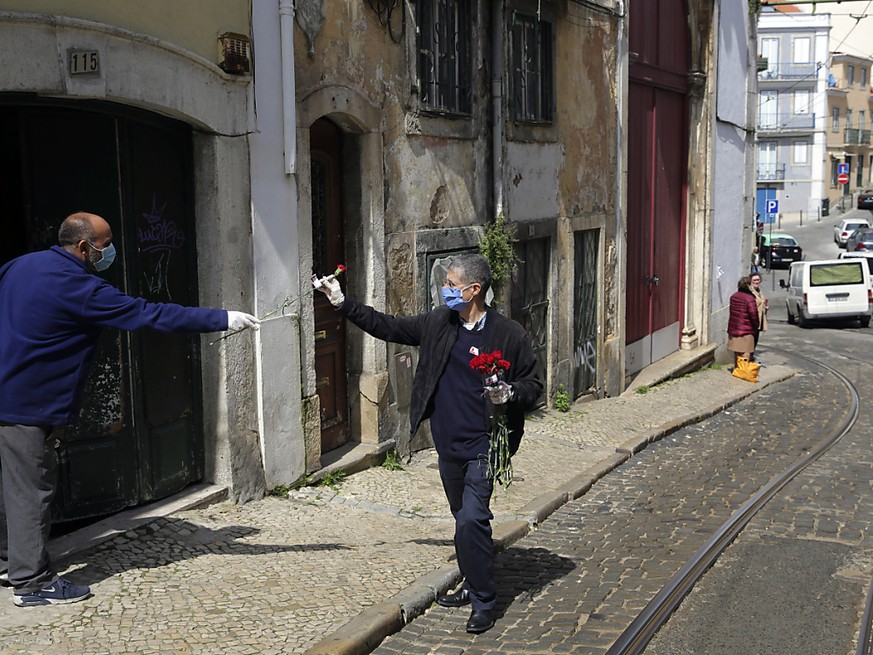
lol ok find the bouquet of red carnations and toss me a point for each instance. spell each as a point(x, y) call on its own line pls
point(493, 368)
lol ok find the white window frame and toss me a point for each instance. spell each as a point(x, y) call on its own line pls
point(770, 51)
point(802, 99)
point(800, 51)
point(768, 106)
point(800, 152)
point(835, 119)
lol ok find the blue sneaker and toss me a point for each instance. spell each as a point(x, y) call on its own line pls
point(58, 592)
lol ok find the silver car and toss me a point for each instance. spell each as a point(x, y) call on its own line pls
point(843, 230)
point(860, 240)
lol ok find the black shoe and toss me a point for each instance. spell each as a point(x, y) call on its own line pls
point(457, 599)
point(480, 621)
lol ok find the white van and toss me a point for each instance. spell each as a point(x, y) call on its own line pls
point(831, 289)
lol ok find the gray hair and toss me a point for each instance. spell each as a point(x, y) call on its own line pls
point(74, 229)
point(472, 268)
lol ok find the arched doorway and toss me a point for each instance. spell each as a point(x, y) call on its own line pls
point(658, 134)
point(328, 250)
point(139, 436)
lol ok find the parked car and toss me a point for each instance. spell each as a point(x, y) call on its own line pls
point(830, 289)
point(843, 230)
point(861, 239)
point(778, 249)
point(865, 199)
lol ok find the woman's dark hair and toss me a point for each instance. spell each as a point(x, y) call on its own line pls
point(744, 283)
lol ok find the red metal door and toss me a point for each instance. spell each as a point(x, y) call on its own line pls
point(657, 179)
point(327, 252)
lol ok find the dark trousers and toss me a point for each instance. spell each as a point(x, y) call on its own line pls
point(469, 494)
point(27, 485)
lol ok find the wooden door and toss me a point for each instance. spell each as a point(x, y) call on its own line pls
point(328, 251)
point(162, 260)
point(658, 135)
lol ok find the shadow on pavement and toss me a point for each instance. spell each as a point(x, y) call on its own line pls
point(522, 573)
point(172, 540)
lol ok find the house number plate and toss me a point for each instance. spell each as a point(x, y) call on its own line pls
point(84, 62)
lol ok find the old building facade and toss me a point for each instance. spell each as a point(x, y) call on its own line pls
point(239, 147)
point(850, 102)
point(124, 111)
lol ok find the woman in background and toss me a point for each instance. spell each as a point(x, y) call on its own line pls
point(743, 320)
point(761, 302)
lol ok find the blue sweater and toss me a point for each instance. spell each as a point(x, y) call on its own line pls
point(52, 309)
point(461, 420)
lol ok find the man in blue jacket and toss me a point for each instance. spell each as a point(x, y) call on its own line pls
point(52, 310)
point(450, 393)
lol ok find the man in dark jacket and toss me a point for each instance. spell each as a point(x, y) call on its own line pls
point(52, 310)
point(450, 393)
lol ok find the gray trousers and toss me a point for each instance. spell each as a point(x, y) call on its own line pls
point(28, 476)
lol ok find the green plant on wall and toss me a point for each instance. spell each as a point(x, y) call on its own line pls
point(496, 245)
point(562, 399)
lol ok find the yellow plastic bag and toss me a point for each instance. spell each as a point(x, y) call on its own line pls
point(746, 370)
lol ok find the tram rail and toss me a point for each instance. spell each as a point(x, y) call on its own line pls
point(638, 634)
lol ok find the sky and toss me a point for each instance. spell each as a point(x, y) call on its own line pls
point(851, 24)
point(856, 41)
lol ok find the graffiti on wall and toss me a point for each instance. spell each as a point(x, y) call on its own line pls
point(160, 235)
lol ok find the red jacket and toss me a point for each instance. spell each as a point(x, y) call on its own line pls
point(744, 314)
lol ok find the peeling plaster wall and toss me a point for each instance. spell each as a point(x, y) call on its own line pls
point(435, 186)
point(561, 178)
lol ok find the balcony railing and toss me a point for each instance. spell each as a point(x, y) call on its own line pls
point(770, 172)
point(853, 136)
point(785, 122)
point(777, 71)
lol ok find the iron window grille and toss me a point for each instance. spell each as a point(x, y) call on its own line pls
point(444, 71)
point(532, 66)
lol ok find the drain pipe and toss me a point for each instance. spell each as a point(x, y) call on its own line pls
point(497, 66)
point(289, 92)
point(622, 73)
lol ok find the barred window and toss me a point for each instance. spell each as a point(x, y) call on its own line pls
point(532, 67)
point(444, 71)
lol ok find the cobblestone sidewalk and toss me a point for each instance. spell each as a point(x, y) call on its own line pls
point(331, 571)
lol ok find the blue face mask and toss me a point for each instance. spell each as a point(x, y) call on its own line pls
point(107, 256)
point(452, 297)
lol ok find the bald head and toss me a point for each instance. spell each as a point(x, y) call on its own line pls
point(85, 236)
point(79, 227)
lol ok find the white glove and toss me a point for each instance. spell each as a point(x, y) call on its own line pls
point(330, 287)
point(241, 321)
point(500, 393)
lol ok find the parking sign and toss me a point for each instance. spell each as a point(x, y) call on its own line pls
point(771, 206)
